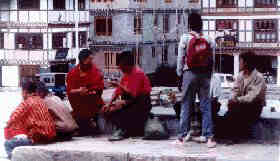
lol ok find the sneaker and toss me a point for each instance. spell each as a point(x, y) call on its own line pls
point(187, 138)
point(201, 139)
point(211, 143)
point(118, 135)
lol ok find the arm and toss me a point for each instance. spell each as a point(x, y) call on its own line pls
point(181, 55)
point(254, 91)
point(18, 114)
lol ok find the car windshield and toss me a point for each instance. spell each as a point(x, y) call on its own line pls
point(222, 79)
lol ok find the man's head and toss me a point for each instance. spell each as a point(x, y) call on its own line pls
point(28, 89)
point(73, 61)
point(86, 59)
point(195, 22)
point(247, 61)
point(42, 90)
point(125, 61)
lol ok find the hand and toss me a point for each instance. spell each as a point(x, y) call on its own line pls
point(119, 104)
point(106, 108)
point(83, 91)
point(114, 84)
point(92, 92)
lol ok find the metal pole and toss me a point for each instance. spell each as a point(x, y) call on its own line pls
point(76, 26)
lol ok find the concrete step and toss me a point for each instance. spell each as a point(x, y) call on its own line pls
point(99, 149)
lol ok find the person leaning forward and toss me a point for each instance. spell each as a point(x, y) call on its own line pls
point(130, 105)
point(85, 86)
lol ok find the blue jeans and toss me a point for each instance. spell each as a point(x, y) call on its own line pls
point(10, 145)
point(196, 83)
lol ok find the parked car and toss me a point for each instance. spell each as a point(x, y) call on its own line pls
point(227, 80)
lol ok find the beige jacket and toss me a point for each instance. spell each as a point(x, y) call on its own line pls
point(61, 113)
point(251, 89)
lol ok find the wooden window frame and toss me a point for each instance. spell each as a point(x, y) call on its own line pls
point(274, 31)
point(226, 5)
point(64, 35)
point(36, 44)
point(165, 23)
point(28, 8)
point(73, 39)
point(56, 8)
point(165, 54)
point(108, 26)
point(83, 41)
point(167, 1)
point(138, 24)
point(80, 6)
point(2, 37)
point(257, 5)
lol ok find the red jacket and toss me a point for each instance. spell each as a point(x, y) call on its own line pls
point(85, 106)
point(31, 118)
point(137, 83)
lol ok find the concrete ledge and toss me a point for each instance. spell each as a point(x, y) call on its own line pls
point(99, 149)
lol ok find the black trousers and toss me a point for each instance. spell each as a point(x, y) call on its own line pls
point(133, 117)
point(238, 121)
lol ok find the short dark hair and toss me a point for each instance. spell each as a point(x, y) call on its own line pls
point(249, 57)
point(29, 86)
point(195, 22)
point(84, 54)
point(125, 58)
point(42, 89)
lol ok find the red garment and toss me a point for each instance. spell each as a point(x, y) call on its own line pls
point(85, 106)
point(31, 118)
point(137, 83)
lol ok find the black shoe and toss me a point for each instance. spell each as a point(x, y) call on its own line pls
point(118, 135)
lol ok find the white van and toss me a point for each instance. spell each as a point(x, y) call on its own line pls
point(227, 80)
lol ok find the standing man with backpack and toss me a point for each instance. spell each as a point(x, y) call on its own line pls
point(194, 64)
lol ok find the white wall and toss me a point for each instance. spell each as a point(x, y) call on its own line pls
point(10, 76)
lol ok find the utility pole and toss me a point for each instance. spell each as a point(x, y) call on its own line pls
point(76, 28)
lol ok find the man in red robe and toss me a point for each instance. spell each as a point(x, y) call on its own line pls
point(130, 105)
point(85, 86)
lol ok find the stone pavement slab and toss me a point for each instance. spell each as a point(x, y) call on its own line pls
point(99, 149)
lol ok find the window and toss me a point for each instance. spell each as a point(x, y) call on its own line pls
point(165, 55)
point(59, 4)
point(176, 50)
point(81, 4)
point(153, 52)
point(137, 55)
point(265, 31)
point(73, 39)
point(227, 3)
point(141, 1)
point(168, 1)
point(156, 20)
point(228, 29)
point(29, 4)
point(103, 26)
point(82, 39)
point(1, 40)
point(29, 41)
point(59, 40)
point(94, 1)
point(110, 60)
point(265, 3)
point(137, 25)
point(165, 23)
point(179, 18)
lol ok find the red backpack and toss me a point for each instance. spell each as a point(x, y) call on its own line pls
point(199, 53)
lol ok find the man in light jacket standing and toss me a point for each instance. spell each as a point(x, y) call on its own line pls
point(196, 80)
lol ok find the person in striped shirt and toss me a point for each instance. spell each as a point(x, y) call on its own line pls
point(30, 123)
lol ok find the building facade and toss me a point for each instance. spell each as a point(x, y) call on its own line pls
point(241, 25)
point(31, 31)
point(151, 28)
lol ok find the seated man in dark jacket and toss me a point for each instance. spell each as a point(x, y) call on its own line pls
point(130, 105)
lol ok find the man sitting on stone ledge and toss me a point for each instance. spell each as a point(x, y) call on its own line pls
point(65, 124)
point(85, 86)
point(130, 105)
point(30, 123)
point(248, 100)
